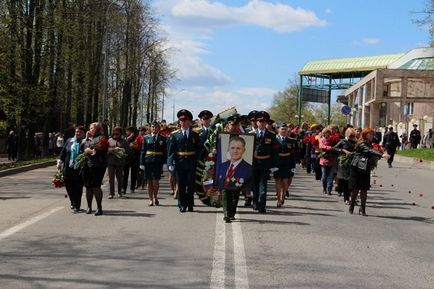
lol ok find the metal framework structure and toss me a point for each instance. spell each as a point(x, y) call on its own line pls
point(335, 74)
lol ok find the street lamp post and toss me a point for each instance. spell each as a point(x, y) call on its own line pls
point(106, 63)
point(173, 104)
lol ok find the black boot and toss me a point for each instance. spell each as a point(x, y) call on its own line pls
point(351, 208)
point(362, 211)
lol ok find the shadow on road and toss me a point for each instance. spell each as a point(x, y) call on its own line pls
point(126, 213)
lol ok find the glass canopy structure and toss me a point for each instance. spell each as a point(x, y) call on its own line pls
point(319, 77)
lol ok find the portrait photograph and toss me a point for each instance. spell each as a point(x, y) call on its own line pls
point(234, 161)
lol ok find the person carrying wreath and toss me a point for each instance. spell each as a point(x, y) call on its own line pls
point(360, 179)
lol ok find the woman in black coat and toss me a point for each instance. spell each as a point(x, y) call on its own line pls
point(71, 173)
point(360, 181)
point(343, 174)
point(95, 146)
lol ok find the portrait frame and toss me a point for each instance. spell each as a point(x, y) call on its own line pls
point(237, 150)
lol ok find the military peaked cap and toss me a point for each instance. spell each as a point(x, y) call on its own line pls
point(252, 114)
point(236, 118)
point(262, 115)
point(184, 114)
point(281, 124)
point(205, 114)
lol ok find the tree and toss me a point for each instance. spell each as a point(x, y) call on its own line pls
point(53, 64)
point(284, 106)
point(427, 19)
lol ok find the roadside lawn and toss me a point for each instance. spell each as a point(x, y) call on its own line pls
point(421, 154)
point(24, 163)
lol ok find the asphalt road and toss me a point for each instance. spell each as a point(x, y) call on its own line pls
point(312, 242)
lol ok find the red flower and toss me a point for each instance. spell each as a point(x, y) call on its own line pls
point(377, 147)
point(334, 139)
point(58, 180)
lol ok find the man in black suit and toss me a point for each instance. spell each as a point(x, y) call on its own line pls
point(390, 143)
point(233, 175)
point(415, 137)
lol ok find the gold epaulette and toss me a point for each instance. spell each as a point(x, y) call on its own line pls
point(175, 131)
point(196, 129)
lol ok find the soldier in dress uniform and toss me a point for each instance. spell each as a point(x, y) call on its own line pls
point(287, 149)
point(415, 137)
point(270, 126)
point(152, 157)
point(251, 116)
point(205, 122)
point(265, 160)
point(391, 143)
point(183, 150)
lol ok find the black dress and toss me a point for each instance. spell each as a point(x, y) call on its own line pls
point(94, 171)
point(362, 180)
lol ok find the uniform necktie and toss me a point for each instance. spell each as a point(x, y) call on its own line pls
point(153, 138)
point(229, 174)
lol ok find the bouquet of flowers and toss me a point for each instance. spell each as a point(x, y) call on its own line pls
point(374, 160)
point(344, 160)
point(119, 153)
point(58, 181)
point(334, 139)
point(306, 139)
point(81, 161)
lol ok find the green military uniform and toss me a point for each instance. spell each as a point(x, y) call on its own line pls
point(183, 150)
point(204, 131)
point(153, 155)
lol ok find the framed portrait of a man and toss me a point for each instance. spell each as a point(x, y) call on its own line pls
point(234, 161)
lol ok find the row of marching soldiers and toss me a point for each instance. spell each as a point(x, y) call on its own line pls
point(141, 155)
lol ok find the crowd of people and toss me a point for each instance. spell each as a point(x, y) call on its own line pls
point(342, 158)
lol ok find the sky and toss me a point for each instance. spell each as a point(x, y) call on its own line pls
point(241, 53)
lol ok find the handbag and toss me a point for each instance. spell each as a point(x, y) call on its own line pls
point(360, 163)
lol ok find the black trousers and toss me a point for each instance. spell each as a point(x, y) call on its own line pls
point(186, 187)
point(391, 153)
point(344, 189)
point(134, 170)
point(74, 188)
point(317, 169)
point(230, 202)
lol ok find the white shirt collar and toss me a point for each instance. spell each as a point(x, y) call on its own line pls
point(236, 163)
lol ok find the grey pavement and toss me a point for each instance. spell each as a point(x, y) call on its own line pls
point(312, 242)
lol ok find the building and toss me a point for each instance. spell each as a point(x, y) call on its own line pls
point(401, 94)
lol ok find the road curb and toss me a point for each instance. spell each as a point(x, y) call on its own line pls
point(414, 162)
point(26, 168)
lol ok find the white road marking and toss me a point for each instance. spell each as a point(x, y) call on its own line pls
point(27, 223)
point(241, 277)
point(219, 257)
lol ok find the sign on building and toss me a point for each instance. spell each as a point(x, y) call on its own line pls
point(315, 95)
